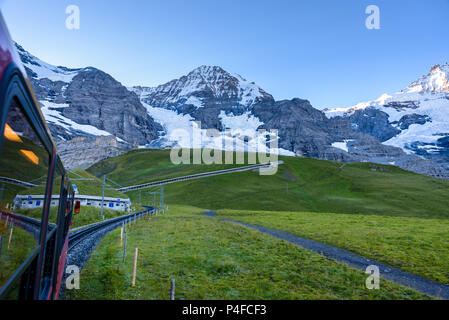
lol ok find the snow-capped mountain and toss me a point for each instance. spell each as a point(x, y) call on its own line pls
point(39, 69)
point(216, 99)
point(207, 94)
point(415, 119)
point(87, 102)
point(210, 97)
point(202, 85)
point(88, 109)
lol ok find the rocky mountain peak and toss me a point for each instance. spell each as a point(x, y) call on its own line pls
point(202, 86)
point(437, 80)
point(208, 73)
point(38, 69)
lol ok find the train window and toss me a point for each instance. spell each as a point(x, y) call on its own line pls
point(23, 175)
point(55, 201)
point(71, 194)
point(69, 201)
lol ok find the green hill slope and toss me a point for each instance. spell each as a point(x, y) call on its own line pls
point(301, 184)
point(146, 165)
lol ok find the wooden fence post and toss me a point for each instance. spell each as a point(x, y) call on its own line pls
point(10, 235)
point(121, 236)
point(136, 252)
point(124, 247)
point(172, 290)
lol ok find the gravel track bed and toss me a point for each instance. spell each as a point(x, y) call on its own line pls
point(80, 253)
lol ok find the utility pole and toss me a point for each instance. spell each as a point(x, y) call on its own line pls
point(140, 197)
point(162, 197)
point(1, 191)
point(154, 197)
point(102, 197)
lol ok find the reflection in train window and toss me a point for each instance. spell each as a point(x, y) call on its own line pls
point(23, 175)
point(55, 198)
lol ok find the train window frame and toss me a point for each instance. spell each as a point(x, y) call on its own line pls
point(15, 102)
point(54, 240)
point(12, 88)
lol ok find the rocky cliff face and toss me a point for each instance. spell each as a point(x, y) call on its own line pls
point(96, 99)
point(82, 152)
point(88, 103)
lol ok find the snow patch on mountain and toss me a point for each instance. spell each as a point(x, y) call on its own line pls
point(246, 121)
point(342, 145)
point(182, 131)
point(52, 115)
point(194, 101)
point(172, 122)
point(248, 92)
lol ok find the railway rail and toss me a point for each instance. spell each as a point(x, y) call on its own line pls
point(18, 182)
point(28, 224)
point(198, 176)
point(80, 234)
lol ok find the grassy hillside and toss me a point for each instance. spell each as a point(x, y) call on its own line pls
point(93, 188)
point(311, 185)
point(301, 184)
point(21, 246)
point(146, 165)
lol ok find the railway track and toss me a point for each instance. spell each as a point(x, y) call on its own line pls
point(18, 182)
point(198, 176)
point(83, 233)
point(31, 225)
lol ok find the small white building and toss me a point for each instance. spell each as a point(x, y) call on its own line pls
point(37, 201)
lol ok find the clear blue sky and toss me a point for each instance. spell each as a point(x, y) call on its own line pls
point(317, 50)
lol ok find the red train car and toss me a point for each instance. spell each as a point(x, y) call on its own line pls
point(33, 242)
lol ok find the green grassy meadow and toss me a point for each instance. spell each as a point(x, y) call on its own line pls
point(309, 185)
point(419, 246)
point(213, 259)
point(21, 246)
